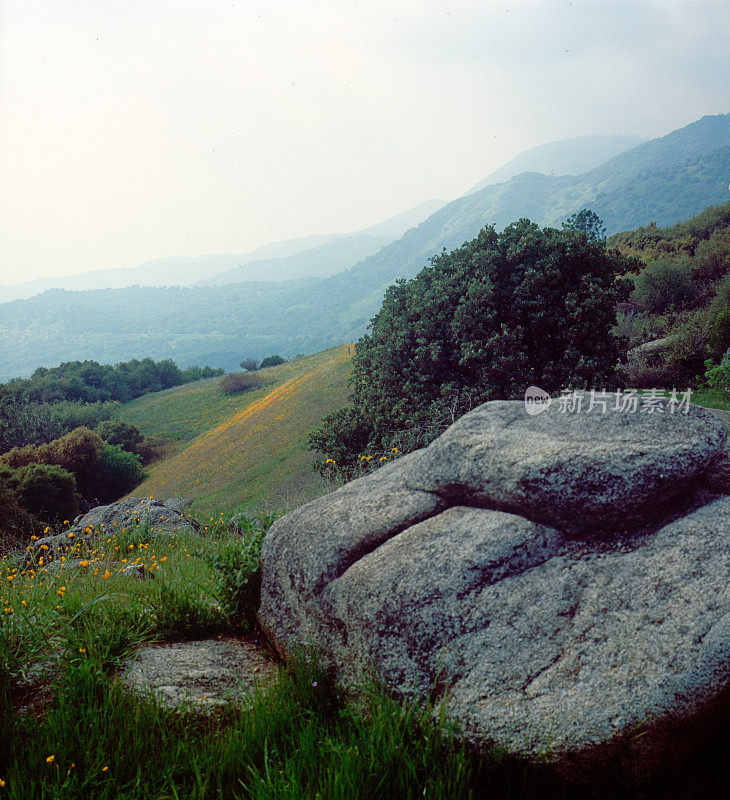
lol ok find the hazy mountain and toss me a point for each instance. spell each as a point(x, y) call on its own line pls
point(187, 271)
point(572, 156)
point(334, 255)
point(319, 262)
point(664, 180)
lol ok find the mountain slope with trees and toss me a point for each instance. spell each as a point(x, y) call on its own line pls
point(665, 180)
point(284, 257)
point(565, 157)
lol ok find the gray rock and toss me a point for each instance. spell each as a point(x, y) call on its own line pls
point(314, 544)
point(562, 630)
point(202, 674)
point(178, 504)
point(163, 521)
point(572, 470)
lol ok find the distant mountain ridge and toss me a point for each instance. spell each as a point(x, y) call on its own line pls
point(572, 156)
point(190, 270)
point(665, 180)
point(319, 262)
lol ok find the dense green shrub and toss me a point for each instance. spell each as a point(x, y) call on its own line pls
point(46, 491)
point(16, 524)
point(77, 452)
point(635, 328)
point(119, 472)
point(127, 436)
point(719, 331)
point(684, 363)
point(717, 376)
point(23, 423)
point(665, 285)
point(506, 310)
point(89, 381)
point(712, 256)
point(238, 566)
point(272, 361)
point(102, 471)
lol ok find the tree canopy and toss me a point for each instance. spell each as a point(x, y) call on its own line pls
point(586, 221)
point(504, 311)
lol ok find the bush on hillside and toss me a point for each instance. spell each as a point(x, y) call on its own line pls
point(272, 361)
point(665, 285)
point(77, 452)
point(46, 491)
point(502, 312)
point(235, 382)
point(636, 328)
point(684, 363)
point(119, 472)
point(23, 423)
point(249, 364)
point(717, 376)
point(127, 436)
point(712, 256)
point(719, 332)
point(16, 524)
point(155, 448)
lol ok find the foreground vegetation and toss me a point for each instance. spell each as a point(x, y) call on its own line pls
point(71, 729)
point(55, 401)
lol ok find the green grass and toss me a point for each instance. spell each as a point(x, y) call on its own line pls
point(184, 412)
point(187, 411)
point(248, 451)
point(711, 399)
point(299, 738)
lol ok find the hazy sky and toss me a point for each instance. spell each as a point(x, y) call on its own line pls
point(131, 130)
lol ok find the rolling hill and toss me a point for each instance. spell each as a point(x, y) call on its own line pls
point(664, 180)
point(247, 451)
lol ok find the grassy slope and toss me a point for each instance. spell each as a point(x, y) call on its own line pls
point(246, 451)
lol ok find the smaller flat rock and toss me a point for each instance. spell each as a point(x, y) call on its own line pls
point(206, 673)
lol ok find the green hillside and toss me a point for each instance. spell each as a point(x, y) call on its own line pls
point(245, 451)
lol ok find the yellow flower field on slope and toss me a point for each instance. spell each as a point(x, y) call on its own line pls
point(258, 455)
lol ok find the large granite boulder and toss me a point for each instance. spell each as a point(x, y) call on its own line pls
point(560, 580)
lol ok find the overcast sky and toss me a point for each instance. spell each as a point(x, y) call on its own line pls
point(135, 129)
